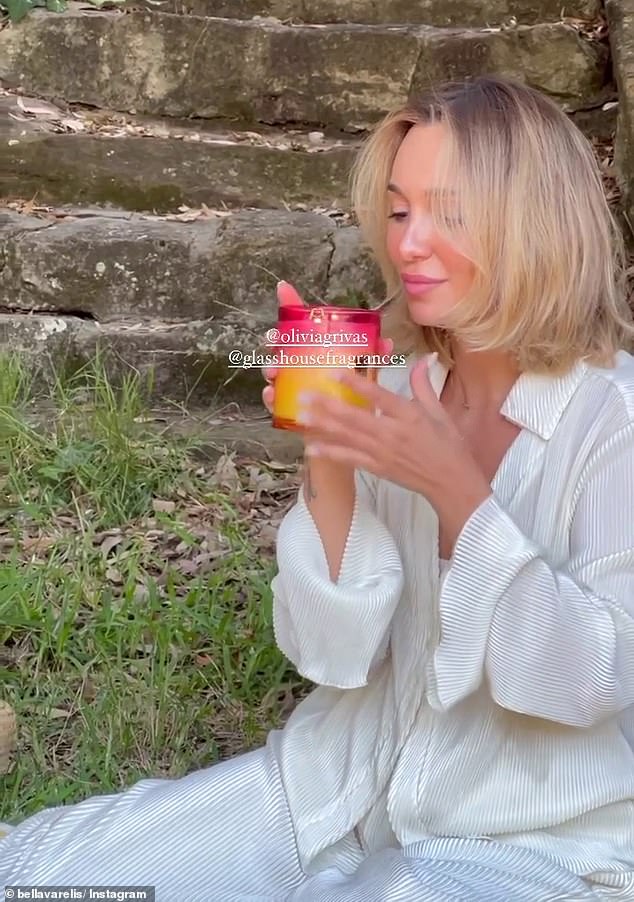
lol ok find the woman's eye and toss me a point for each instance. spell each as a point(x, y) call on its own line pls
point(399, 214)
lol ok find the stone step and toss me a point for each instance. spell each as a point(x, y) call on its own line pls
point(168, 295)
point(87, 156)
point(346, 76)
point(243, 428)
point(166, 356)
point(84, 156)
point(138, 163)
point(440, 13)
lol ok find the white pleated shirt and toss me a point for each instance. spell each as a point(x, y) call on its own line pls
point(495, 699)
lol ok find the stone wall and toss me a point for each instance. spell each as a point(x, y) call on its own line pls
point(620, 16)
point(169, 295)
point(162, 170)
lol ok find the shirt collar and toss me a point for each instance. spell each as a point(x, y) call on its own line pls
point(536, 402)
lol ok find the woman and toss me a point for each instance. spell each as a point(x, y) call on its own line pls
point(457, 575)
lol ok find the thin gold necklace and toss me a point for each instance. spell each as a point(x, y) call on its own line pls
point(463, 401)
point(465, 404)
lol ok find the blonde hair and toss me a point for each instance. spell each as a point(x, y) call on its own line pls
point(550, 284)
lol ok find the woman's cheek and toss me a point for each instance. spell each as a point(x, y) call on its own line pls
point(392, 243)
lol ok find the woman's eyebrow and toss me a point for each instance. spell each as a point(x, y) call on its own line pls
point(396, 190)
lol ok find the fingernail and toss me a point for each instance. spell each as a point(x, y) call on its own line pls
point(304, 397)
point(312, 449)
point(282, 282)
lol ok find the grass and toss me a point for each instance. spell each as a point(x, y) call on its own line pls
point(135, 605)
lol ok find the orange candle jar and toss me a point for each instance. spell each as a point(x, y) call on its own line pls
point(313, 343)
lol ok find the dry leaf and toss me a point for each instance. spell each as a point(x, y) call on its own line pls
point(261, 481)
point(74, 125)
point(277, 465)
point(38, 543)
point(39, 108)
point(56, 713)
point(109, 543)
point(266, 537)
point(188, 216)
point(163, 507)
point(226, 473)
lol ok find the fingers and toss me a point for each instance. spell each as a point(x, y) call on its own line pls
point(287, 295)
point(422, 389)
point(339, 423)
point(268, 394)
point(380, 398)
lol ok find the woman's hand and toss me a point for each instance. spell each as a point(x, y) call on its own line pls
point(413, 443)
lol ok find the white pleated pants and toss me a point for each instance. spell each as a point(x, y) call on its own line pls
point(224, 834)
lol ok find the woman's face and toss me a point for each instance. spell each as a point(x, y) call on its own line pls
point(433, 267)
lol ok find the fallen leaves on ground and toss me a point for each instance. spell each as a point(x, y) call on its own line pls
point(185, 533)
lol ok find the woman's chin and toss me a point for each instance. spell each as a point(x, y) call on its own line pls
point(425, 317)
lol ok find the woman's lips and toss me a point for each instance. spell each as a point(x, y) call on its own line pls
point(415, 285)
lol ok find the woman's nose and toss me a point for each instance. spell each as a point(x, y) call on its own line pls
point(416, 241)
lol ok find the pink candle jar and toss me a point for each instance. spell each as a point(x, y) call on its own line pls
point(312, 343)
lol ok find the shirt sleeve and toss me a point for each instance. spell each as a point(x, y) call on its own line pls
point(552, 642)
point(336, 633)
